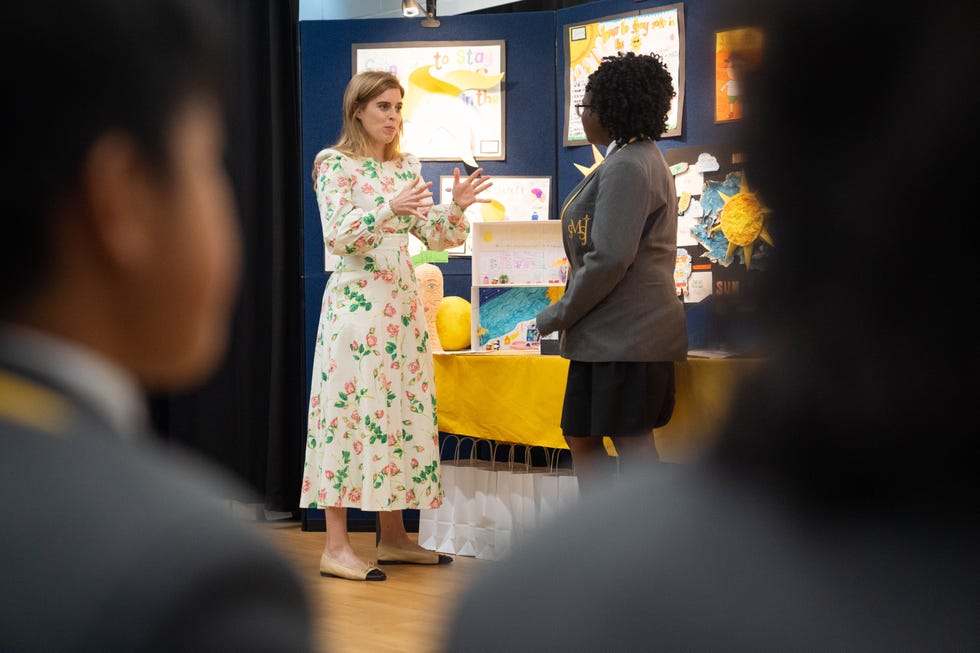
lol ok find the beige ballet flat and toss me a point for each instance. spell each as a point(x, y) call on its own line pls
point(330, 567)
point(388, 555)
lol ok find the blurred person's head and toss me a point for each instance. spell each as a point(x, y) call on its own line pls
point(864, 166)
point(121, 231)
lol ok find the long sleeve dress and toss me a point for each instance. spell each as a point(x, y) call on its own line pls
point(372, 435)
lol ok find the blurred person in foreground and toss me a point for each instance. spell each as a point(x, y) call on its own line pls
point(120, 260)
point(839, 509)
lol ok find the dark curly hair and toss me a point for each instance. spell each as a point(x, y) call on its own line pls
point(631, 95)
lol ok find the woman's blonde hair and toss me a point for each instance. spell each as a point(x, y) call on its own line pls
point(362, 88)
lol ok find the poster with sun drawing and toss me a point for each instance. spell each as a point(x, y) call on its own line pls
point(735, 51)
point(723, 247)
point(659, 30)
point(453, 109)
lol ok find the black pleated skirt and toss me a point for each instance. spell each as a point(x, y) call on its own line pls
point(617, 398)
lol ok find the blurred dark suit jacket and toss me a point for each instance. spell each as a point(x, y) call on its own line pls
point(112, 545)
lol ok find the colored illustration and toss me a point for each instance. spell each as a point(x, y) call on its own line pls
point(507, 317)
point(454, 102)
point(733, 221)
point(651, 31)
point(511, 198)
point(735, 51)
point(682, 272)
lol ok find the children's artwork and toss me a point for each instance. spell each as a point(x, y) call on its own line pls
point(649, 31)
point(511, 198)
point(735, 51)
point(507, 317)
point(453, 107)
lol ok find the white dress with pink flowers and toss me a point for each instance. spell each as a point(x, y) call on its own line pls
point(372, 435)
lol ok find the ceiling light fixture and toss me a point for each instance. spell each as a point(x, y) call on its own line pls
point(410, 8)
point(430, 19)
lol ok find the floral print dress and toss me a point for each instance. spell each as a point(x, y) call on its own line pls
point(372, 435)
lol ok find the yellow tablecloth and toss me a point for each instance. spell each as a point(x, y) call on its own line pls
point(518, 398)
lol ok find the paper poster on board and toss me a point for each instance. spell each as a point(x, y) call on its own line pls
point(453, 109)
point(649, 31)
point(512, 197)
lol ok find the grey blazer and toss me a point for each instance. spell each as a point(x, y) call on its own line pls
point(619, 228)
point(117, 545)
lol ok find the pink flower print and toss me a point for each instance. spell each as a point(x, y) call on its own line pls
point(349, 387)
point(379, 413)
point(410, 395)
point(333, 423)
point(417, 332)
point(413, 367)
point(315, 401)
point(414, 463)
point(356, 417)
point(395, 365)
point(324, 167)
point(307, 484)
point(322, 497)
point(367, 189)
point(358, 447)
point(390, 469)
point(390, 310)
point(332, 367)
point(410, 496)
point(359, 244)
point(454, 219)
point(387, 184)
point(435, 503)
point(362, 283)
point(329, 474)
point(372, 340)
point(425, 386)
point(388, 276)
point(355, 495)
point(343, 182)
point(392, 329)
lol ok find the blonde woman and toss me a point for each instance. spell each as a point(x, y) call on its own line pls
point(372, 437)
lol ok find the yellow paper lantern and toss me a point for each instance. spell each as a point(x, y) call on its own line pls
point(453, 323)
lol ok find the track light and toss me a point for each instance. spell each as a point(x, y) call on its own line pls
point(410, 8)
point(430, 19)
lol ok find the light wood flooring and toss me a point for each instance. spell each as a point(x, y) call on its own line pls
point(410, 611)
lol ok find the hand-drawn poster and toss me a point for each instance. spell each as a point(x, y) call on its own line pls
point(735, 51)
point(511, 198)
point(453, 108)
point(650, 31)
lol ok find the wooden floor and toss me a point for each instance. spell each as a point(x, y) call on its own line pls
point(408, 612)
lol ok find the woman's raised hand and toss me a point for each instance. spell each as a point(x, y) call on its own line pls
point(414, 199)
point(465, 191)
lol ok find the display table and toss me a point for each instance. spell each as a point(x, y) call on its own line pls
point(518, 397)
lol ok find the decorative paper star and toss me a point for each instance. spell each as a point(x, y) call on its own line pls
point(596, 157)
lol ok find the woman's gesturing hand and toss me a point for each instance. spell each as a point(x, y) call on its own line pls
point(465, 191)
point(414, 199)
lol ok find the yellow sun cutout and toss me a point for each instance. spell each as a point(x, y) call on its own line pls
point(596, 157)
point(742, 220)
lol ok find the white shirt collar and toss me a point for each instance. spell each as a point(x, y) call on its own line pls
point(106, 387)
